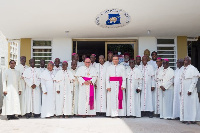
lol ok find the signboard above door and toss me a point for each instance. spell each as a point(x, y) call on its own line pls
point(113, 18)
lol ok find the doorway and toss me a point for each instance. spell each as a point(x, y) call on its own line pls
point(103, 47)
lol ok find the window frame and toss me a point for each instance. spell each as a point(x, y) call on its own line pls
point(169, 45)
point(41, 47)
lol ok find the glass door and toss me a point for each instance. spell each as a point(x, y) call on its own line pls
point(120, 48)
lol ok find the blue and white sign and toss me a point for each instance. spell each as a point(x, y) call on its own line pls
point(113, 18)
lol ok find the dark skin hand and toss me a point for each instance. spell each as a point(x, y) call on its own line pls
point(189, 93)
point(163, 89)
point(33, 86)
point(152, 88)
point(138, 90)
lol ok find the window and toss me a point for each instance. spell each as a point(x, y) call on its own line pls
point(166, 48)
point(14, 51)
point(41, 50)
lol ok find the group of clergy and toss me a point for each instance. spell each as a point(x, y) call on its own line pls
point(133, 88)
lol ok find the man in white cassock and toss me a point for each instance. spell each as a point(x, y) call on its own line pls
point(75, 57)
point(48, 91)
point(134, 86)
point(11, 90)
point(101, 92)
point(167, 87)
point(41, 69)
point(64, 91)
point(21, 68)
point(116, 84)
point(189, 101)
point(87, 76)
point(126, 60)
point(42, 66)
point(93, 59)
point(138, 61)
point(177, 88)
point(82, 63)
point(75, 88)
point(110, 57)
point(148, 86)
point(33, 92)
point(158, 92)
point(153, 61)
point(57, 66)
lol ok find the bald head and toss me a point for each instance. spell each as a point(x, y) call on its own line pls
point(23, 60)
point(74, 64)
point(144, 60)
point(32, 62)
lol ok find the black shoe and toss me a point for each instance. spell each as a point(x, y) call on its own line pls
point(177, 118)
point(9, 117)
point(28, 115)
point(150, 114)
point(15, 117)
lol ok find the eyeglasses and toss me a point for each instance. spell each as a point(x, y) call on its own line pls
point(87, 62)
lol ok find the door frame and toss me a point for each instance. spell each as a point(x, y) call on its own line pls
point(112, 41)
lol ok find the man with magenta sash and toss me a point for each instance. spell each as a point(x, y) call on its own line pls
point(87, 76)
point(116, 84)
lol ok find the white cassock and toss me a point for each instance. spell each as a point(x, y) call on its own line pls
point(167, 80)
point(78, 64)
point(33, 96)
point(64, 84)
point(101, 91)
point(134, 81)
point(157, 93)
point(112, 96)
point(148, 81)
point(125, 64)
point(108, 63)
point(48, 100)
point(177, 88)
point(56, 69)
point(22, 97)
point(75, 93)
point(153, 63)
point(12, 85)
point(189, 104)
point(84, 90)
point(93, 64)
point(41, 70)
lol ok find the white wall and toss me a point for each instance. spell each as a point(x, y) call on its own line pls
point(3, 53)
point(62, 48)
point(147, 43)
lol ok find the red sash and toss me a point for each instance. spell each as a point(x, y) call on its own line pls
point(91, 99)
point(120, 94)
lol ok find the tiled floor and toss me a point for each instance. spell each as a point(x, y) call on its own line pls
point(95, 125)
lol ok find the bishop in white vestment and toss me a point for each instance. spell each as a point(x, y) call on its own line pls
point(134, 86)
point(101, 92)
point(33, 92)
point(115, 84)
point(87, 76)
point(189, 102)
point(75, 88)
point(158, 92)
point(48, 92)
point(21, 68)
point(177, 88)
point(64, 91)
point(148, 86)
point(167, 87)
